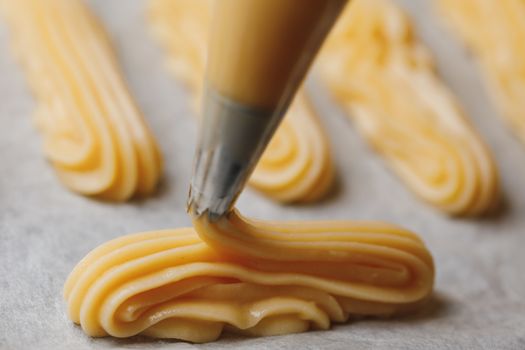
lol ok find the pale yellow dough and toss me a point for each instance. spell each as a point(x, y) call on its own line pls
point(297, 165)
point(385, 79)
point(94, 134)
point(495, 30)
point(246, 276)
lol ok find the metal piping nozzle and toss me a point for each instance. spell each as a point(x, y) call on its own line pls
point(233, 138)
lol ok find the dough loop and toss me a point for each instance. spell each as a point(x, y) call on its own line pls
point(249, 277)
point(385, 79)
point(94, 134)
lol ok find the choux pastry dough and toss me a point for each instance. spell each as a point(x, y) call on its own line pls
point(495, 31)
point(94, 134)
point(249, 277)
point(385, 79)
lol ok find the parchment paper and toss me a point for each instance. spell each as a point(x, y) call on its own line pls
point(44, 229)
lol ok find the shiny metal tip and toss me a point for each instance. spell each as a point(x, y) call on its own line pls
point(232, 138)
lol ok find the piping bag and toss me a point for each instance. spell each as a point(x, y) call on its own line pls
point(258, 55)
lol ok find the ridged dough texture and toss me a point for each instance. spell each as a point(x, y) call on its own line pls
point(385, 79)
point(249, 277)
point(297, 165)
point(495, 31)
point(94, 134)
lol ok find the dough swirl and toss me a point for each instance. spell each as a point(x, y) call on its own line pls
point(297, 165)
point(94, 134)
point(247, 276)
point(385, 79)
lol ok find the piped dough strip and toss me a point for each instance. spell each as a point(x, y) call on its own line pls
point(94, 134)
point(249, 277)
point(297, 165)
point(385, 79)
point(495, 31)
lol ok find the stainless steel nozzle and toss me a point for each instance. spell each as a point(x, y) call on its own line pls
point(233, 138)
point(259, 53)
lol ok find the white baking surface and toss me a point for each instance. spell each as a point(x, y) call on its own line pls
point(44, 229)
